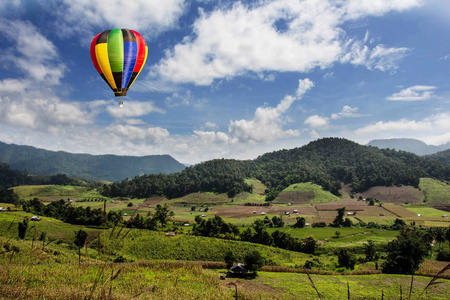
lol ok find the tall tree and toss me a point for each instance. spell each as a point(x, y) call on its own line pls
point(406, 252)
point(80, 239)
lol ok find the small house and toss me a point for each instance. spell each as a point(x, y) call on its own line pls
point(35, 218)
point(382, 215)
point(238, 271)
point(2, 209)
point(170, 233)
point(263, 213)
point(419, 215)
point(445, 216)
point(186, 224)
point(254, 212)
point(238, 268)
point(286, 213)
point(295, 211)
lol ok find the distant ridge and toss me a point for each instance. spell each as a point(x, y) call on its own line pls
point(96, 167)
point(410, 145)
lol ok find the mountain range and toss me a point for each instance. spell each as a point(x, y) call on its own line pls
point(95, 167)
point(410, 145)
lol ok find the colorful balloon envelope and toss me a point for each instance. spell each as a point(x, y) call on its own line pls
point(119, 56)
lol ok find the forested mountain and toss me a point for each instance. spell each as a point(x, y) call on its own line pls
point(410, 145)
point(97, 167)
point(326, 162)
point(10, 178)
point(443, 156)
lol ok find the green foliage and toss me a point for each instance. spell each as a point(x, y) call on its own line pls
point(215, 227)
point(339, 219)
point(64, 211)
point(406, 252)
point(325, 162)
point(97, 167)
point(346, 259)
point(9, 178)
point(300, 223)
point(229, 259)
point(23, 227)
point(254, 261)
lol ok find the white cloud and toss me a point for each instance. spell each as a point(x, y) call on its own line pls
point(265, 127)
point(147, 135)
point(133, 109)
point(230, 42)
point(31, 53)
point(414, 93)
point(210, 125)
point(317, 122)
point(303, 86)
point(148, 16)
point(347, 112)
point(435, 123)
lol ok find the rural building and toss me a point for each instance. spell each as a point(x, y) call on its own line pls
point(170, 233)
point(295, 211)
point(35, 218)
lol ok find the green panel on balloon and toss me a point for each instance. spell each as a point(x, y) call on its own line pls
point(115, 50)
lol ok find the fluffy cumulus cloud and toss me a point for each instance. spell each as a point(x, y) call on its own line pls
point(347, 112)
point(133, 109)
point(265, 126)
point(317, 122)
point(432, 125)
point(31, 53)
point(279, 35)
point(414, 93)
point(152, 16)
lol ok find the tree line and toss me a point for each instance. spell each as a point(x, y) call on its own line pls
point(326, 162)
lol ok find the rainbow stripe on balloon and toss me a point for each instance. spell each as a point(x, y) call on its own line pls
point(119, 56)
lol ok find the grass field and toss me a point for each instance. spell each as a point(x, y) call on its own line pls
point(435, 192)
point(301, 193)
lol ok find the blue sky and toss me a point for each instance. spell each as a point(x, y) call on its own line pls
point(232, 79)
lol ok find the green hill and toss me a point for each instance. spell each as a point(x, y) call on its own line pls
point(306, 192)
point(96, 167)
point(326, 162)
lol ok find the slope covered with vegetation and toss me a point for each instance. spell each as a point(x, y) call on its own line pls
point(326, 162)
point(97, 167)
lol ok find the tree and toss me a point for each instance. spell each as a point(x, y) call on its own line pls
point(339, 218)
point(229, 259)
point(406, 252)
point(300, 222)
point(369, 250)
point(254, 261)
point(163, 214)
point(346, 260)
point(309, 245)
point(447, 237)
point(80, 239)
point(23, 227)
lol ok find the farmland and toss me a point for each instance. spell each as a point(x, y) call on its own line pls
point(155, 266)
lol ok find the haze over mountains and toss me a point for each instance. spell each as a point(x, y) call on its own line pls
point(306, 159)
point(96, 167)
point(410, 145)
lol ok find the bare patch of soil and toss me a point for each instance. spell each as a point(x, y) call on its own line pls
point(296, 197)
point(444, 207)
point(393, 194)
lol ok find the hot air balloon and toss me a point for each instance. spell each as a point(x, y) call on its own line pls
point(119, 56)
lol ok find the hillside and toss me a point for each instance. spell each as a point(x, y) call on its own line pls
point(410, 145)
point(96, 167)
point(326, 162)
point(443, 156)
